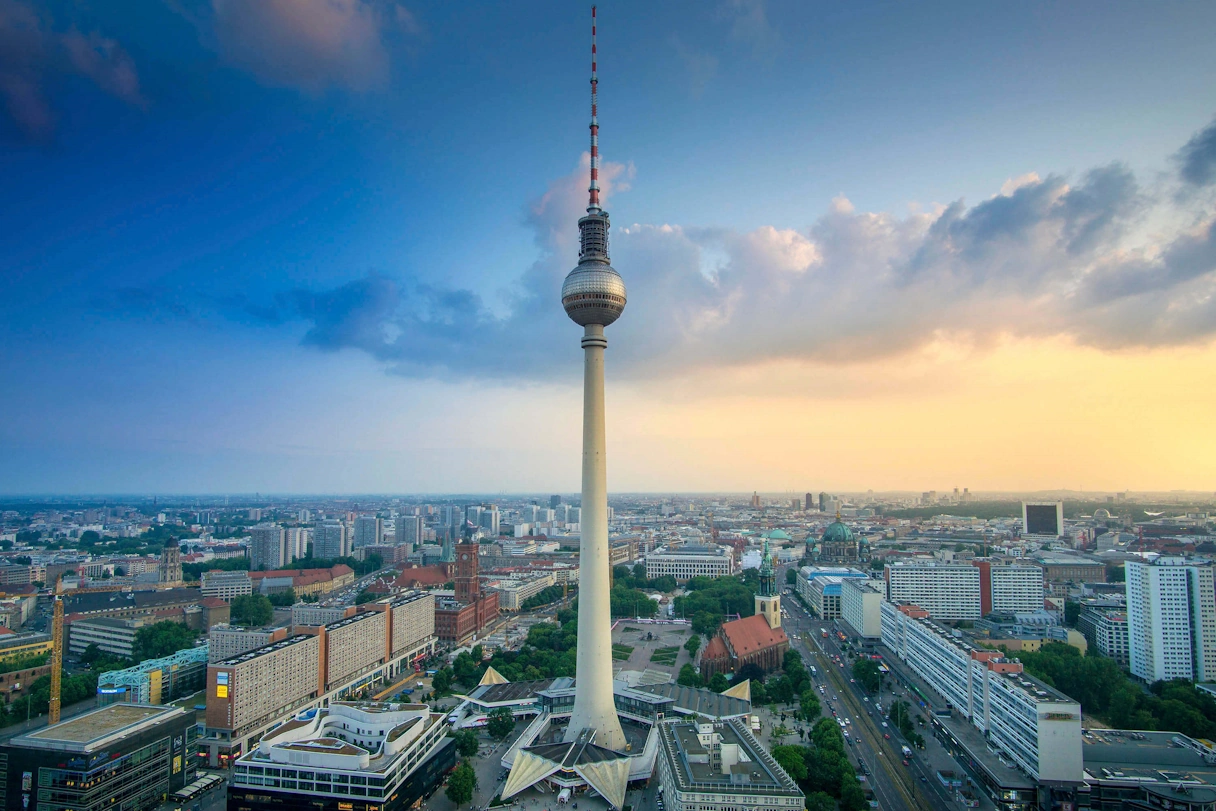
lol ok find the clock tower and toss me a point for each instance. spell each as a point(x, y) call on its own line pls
point(468, 585)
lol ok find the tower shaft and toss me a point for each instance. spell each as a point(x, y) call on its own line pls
point(593, 702)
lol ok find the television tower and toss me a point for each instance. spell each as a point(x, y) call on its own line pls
point(593, 295)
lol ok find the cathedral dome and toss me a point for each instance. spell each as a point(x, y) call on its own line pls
point(837, 533)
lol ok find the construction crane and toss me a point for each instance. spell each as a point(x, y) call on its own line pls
point(56, 652)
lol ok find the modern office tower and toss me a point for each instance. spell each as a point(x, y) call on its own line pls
point(329, 540)
point(368, 531)
point(528, 513)
point(575, 515)
point(593, 295)
point(266, 545)
point(1043, 519)
point(546, 515)
point(810, 502)
point(554, 501)
point(409, 530)
point(304, 516)
point(472, 514)
point(948, 592)
point(490, 520)
point(1171, 620)
point(823, 502)
point(296, 539)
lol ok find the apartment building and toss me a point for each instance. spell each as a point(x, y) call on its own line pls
point(226, 585)
point(861, 606)
point(688, 562)
point(513, 592)
point(1171, 620)
point(946, 591)
point(227, 641)
point(1035, 726)
point(267, 547)
point(1105, 627)
point(248, 693)
point(1010, 588)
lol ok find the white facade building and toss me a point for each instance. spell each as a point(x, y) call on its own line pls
point(226, 585)
point(1035, 726)
point(1016, 589)
point(1171, 620)
point(861, 606)
point(689, 562)
point(946, 591)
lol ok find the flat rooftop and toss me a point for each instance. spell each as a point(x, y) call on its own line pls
point(1002, 772)
point(759, 774)
point(97, 728)
point(1118, 756)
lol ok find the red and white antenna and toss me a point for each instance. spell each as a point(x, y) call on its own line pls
point(594, 189)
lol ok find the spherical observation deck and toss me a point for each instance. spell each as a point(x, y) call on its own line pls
point(593, 293)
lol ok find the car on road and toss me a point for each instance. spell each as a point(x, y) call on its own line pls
point(886, 735)
point(906, 763)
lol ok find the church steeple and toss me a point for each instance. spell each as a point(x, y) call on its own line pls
point(768, 602)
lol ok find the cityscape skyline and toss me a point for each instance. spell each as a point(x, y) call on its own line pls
point(267, 249)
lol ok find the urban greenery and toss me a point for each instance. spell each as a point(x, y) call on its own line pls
point(461, 784)
point(710, 600)
point(162, 639)
point(1106, 692)
point(24, 661)
point(867, 674)
point(550, 594)
point(822, 769)
point(621, 652)
point(466, 742)
point(500, 723)
point(635, 578)
point(251, 610)
point(693, 645)
point(630, 602)
point(665, 656)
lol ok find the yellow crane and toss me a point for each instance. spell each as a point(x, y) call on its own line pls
point(56, 651)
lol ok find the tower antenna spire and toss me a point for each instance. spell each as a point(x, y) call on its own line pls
point(594, 188)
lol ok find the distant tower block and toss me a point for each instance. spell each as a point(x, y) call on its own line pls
point(593, 295)
point(170, 568)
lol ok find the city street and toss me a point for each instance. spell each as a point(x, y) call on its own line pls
point(915, 786)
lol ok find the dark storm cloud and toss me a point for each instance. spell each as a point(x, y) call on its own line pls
point(1197, 158)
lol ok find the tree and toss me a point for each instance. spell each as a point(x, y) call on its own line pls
point(466, 742)
point(251, 610)
point(688, 677)
point(790, 758)
point(867, 673)
point(501, 721)
point(852, 798)
point(442, 681)
point(820, 801)
point(750, 671)
point(780, 733)
point(791, 576)
point(693, 645)
point(161, 639)
point(461, 784)
point(366, 596)
point(810, 705)
point(284, 599)
point(706, 622)
point(1072, 611)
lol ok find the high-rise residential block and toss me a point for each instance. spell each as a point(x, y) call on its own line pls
point(409, 530)
point(368, 531)
point(329, 540)
point(267, 544)
point(1171, 620)
point(946, 591)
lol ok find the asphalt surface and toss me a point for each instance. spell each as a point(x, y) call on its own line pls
point(914, 787)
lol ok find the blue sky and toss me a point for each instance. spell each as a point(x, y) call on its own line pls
point(271, 246)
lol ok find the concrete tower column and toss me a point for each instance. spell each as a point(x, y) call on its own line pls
point(593, 702)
